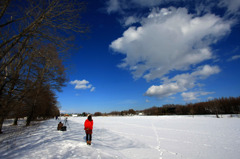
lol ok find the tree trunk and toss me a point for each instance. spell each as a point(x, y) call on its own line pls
point(29, 119)
point(31, 115)
point(1, 123)
point(15, 121)
point(216, 111)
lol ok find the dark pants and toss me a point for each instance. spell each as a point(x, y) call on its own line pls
point(88, 137)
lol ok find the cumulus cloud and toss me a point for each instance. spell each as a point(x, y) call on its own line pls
point(164, 90)
point(82, 84)
point(205, 71)
point(190, 96)
point(169, 39)
point(172, 39)
point(182, 82)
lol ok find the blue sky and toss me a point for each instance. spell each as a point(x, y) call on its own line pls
point(144, 53)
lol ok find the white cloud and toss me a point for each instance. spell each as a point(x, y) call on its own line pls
point(172, 39)
point(182, 82)
point(235, 57)
point(169, 39)
point(119, 5)
point(113, 6)
point(127, 21)
point(233, 6)
point(205, 71)
point(82, 84)
point(147, 101)
point(92, 89)
point(210, 98)
point(164, 90)
point(190, 96)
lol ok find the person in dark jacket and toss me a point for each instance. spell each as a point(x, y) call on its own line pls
point(60, 125)
point(88, 127)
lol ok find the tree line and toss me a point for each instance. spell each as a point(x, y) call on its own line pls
point(33, 38)
point(224, 105)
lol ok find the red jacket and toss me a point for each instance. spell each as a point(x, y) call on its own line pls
point(88, 125)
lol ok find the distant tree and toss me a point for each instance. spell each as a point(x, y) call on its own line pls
point(97, 114)
point(115, 113)
point(131, 111)
point(84, 114)
point(215, 107)
point(182, 110)
point(192, 111)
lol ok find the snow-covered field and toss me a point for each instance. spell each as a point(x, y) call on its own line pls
point(155, 137)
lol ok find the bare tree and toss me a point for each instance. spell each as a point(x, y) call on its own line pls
point(48, 70)
point(22, 26)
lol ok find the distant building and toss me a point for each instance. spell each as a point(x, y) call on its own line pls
point(74, 115)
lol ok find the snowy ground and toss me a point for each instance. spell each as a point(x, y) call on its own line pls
point(138, 137)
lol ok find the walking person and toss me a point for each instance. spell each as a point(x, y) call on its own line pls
point(88, 127)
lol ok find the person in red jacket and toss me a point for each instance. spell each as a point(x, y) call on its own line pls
point(88, 127)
